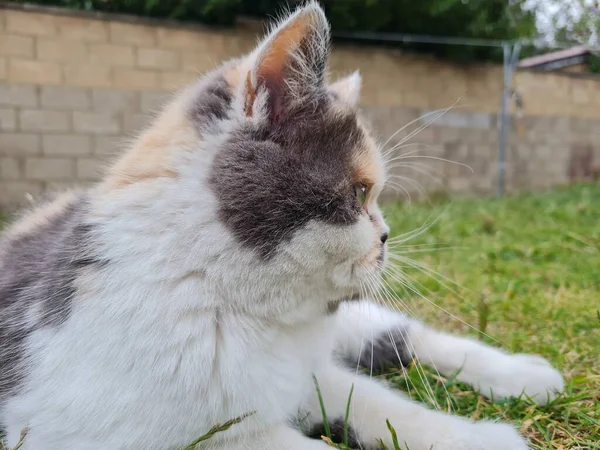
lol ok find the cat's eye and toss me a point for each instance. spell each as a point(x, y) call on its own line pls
point(360, 191)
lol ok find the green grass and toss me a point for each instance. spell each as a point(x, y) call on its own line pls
point(526, 269)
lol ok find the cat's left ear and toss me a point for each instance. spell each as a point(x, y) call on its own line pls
point(348, 88)
point(289, 65)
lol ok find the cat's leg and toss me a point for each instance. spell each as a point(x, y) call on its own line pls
point(372, 336)
point(278, 438)
point(417, 427)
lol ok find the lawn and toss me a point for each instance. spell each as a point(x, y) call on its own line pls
point(526, 270)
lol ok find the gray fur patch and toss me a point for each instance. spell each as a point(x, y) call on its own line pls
point(390, 349)
point(337, 428)
point(37, 273)
point(271, 181)
point(213, 102)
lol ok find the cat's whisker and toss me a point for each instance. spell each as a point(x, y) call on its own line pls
point(405, 126)
point(436, 158)
point(429, 271)
point(428, 250)
point(385, 154)
point(413, 165)
point(399, 146)
point(393, 304)
point(405, 237)
point(411, 314)
point(412, 182)
point(405, 280)
point(398, 187)
point(437, 114)
point(435, 179)
point(386, 302)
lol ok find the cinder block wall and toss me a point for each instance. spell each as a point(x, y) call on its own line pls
point(75, 87)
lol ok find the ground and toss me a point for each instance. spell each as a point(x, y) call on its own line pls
point(525, 270)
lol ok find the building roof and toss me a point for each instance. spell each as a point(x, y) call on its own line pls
point(556, 60)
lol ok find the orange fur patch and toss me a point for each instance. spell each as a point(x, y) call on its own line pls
point(276, 58)
point(150, 158)
point(368, 167)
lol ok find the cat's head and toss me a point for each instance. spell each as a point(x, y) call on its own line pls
point(262, 174)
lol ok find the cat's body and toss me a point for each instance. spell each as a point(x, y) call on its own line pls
point(202, 279)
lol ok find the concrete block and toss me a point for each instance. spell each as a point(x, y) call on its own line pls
point(87, 75)
point(61, 50)
point(459, 184)
point(16, 144)
point(15, 45)
point(112, 55)
point(89, 169)
point(115, 100)
point(66, 145)
point(134, 123)
point(174, 38)
point(83, 30)
point(45, 169)
point(10, 169)
point(44, 120)
point(8, 119)
point(96, 123)
point(171, 81)
point(105, 146)
point(31, 23)
point(63, 97)
point(125, 33)
point(456, 119)
point(136, 79)
point(153, 58)
point(18, 95)
point(33, 72)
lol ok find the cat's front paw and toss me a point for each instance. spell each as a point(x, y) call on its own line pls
point(478, 436)
point(496, 436)
point(525, 374)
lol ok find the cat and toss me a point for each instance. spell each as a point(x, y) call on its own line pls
point(217, 268)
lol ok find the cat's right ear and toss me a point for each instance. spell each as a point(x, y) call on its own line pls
point(289, 64)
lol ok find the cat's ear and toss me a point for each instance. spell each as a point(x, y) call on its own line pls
point(290, 63)
point(348, 88)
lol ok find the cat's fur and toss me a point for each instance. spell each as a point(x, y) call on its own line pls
point(201, 280)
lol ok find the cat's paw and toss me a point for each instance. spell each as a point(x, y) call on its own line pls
point(496, 436)
point(478, 436)
point(519, 374)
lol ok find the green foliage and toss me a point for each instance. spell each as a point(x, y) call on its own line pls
point(576, 22)
point(484, 19)
point(218, 12)
point(594, 63)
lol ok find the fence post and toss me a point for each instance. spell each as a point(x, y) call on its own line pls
point(510, 60)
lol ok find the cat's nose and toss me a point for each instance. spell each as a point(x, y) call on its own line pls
point(384, 238)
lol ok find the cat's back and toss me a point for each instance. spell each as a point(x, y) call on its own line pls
point(39, 258)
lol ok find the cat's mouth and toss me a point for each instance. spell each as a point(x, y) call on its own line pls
point(375, 258)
